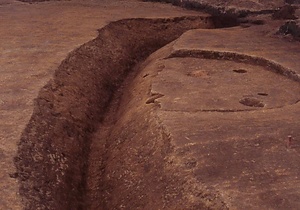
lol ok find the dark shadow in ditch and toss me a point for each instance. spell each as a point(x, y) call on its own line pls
point(240, 71)
point(53, 151)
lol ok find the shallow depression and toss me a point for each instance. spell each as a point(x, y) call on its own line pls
point(222, 85)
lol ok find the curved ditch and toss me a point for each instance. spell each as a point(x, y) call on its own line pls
point(52, 160)
point(243, 58)
point(248, 59)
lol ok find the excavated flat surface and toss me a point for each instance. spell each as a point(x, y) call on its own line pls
point(34, 39)
point(256, 42)
point(204, 124)
point(240, 155)
point(221, 85)
point(191, 133)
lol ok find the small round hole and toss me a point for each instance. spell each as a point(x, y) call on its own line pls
point(262, 94)
point(240, 71)
point(258, 22)
point(254, 102)
point(198, 73)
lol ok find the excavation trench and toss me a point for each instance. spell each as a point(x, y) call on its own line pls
point(53, 155)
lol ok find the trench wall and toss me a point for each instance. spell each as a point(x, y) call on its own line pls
point(53, 151)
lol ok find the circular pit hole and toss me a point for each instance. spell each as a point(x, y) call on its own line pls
point(240, 71)
point(198, 73)
point(262, 94)
point(253, 102)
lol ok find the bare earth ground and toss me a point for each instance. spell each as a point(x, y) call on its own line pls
point(210, 125)
point(203, 125)
point(35, 38)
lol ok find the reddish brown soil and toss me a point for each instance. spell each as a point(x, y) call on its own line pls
point(53, 153)
point(108, 133)
point(35, 38)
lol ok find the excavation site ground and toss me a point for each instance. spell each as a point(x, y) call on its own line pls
point(132, 104)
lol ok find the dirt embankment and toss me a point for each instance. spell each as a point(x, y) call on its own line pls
point(279, 10)
point(233, 7)
point(52, 160)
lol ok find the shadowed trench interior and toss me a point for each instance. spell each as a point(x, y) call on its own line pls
point(54, 150)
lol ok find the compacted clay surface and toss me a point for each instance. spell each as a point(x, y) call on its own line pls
point(159, 109)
